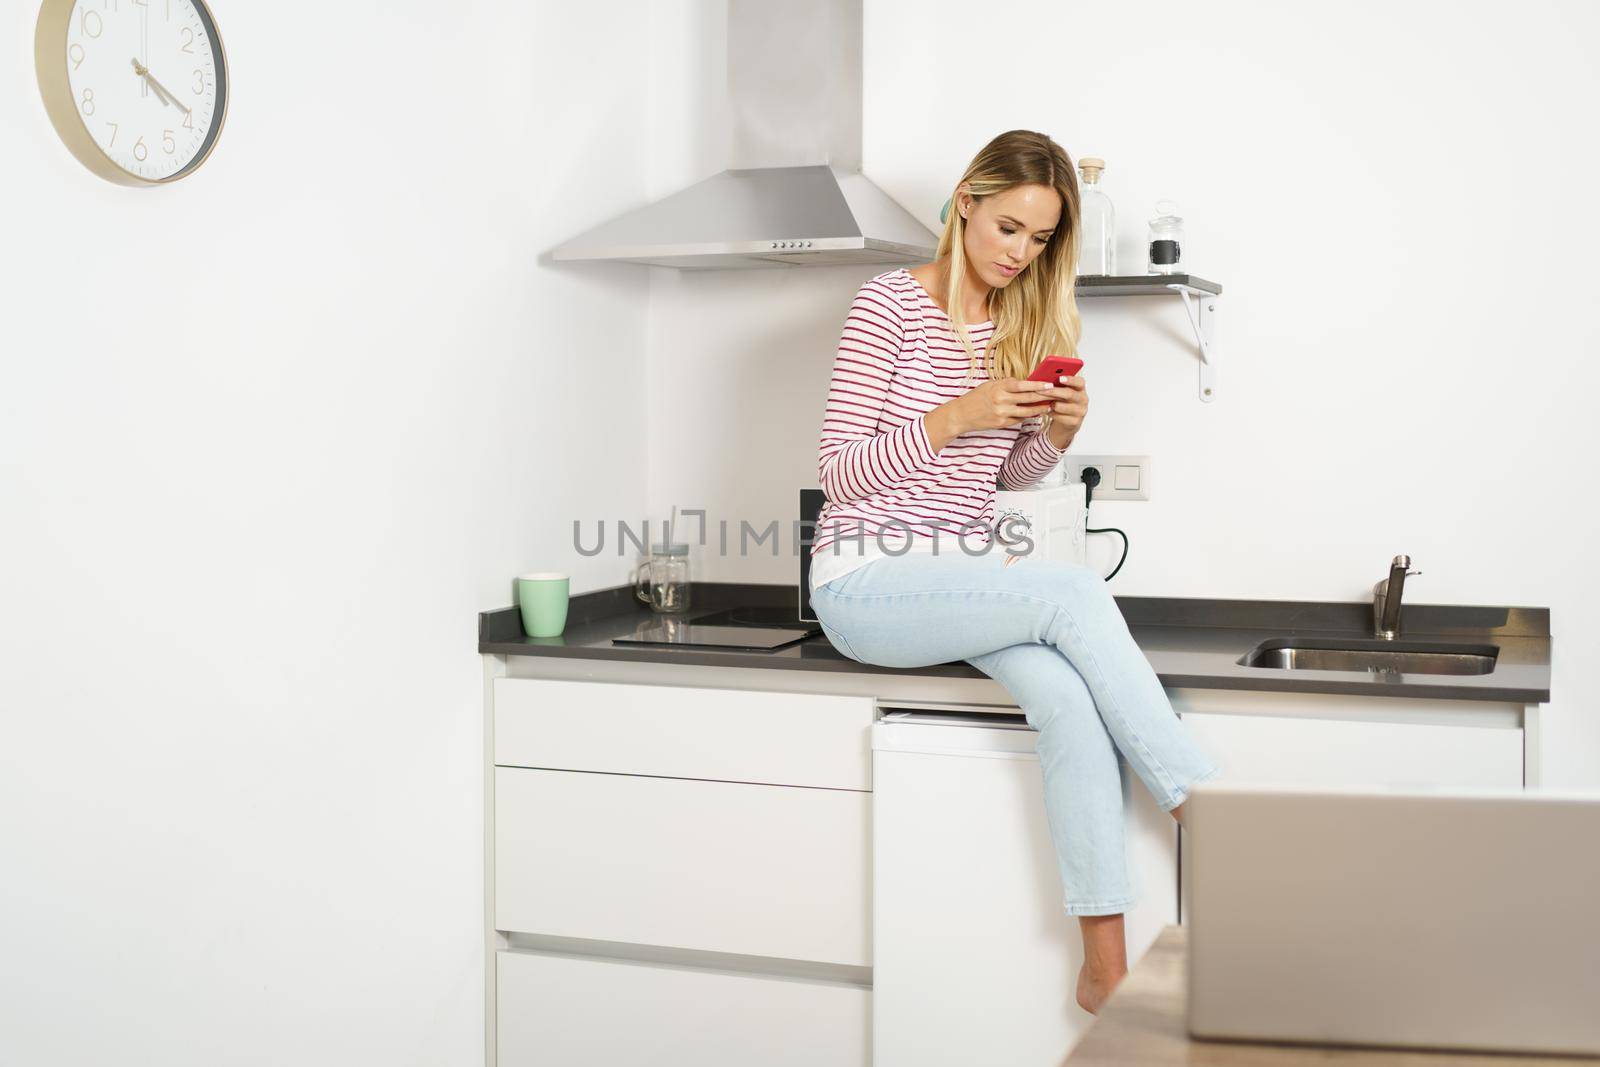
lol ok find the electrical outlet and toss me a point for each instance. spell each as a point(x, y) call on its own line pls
point(1131, 473)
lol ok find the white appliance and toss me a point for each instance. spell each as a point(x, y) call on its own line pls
point(973, 959)
point(1415, 918)
point(1053, 518)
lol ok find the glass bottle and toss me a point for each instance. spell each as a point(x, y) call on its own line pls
point(1166, 240)
point(1097, 245)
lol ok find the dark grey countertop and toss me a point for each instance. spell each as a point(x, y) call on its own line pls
point(1191, 643)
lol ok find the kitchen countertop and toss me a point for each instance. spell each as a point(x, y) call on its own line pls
point(1191, 643)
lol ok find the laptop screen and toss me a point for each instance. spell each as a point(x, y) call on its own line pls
point(810, 504)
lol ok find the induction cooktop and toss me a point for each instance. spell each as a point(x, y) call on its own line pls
point(749, 629)
point(756, 615)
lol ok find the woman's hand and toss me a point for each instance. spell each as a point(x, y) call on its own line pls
point(1069, 403)
point(997, 404)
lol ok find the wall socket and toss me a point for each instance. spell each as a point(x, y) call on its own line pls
point(1121, 477)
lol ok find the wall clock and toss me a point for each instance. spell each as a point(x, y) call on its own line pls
point(137, 89)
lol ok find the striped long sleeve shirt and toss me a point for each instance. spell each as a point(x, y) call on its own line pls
point(898, 359)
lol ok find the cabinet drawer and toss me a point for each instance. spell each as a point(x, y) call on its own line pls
point(1311, 752)
point(572, 1012)
point(730, 735)
point(719, 866)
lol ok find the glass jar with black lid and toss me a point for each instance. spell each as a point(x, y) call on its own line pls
point(1166, 240)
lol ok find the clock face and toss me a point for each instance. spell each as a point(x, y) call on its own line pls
point(146, 78)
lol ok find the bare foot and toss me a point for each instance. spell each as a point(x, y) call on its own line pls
point(1105, 959)
point(1093, 989)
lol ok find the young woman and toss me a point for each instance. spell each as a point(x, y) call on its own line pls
point(904, 569)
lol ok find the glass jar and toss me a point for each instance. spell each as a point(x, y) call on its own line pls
point(662, 579)
point(1166, 240)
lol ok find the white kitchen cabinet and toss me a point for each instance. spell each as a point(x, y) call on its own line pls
point(562, 1011)
point(676, 874)
point(706, 874)
point(732, 735)
point(975, 962)
point(1300, 751)
point(757, 870)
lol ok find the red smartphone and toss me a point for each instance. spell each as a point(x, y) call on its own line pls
point(1050, 369)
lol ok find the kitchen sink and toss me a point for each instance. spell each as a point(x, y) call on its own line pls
point(1371, 656)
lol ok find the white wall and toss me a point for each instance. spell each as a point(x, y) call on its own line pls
point(269, 439)
point(1392, 198)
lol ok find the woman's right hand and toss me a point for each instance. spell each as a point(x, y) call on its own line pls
point(997, 404)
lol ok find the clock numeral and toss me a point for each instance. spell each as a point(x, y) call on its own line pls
point(140, 152)
point(188, 120)
point(76, 55)
point(88, 102)
point(199, 81)
point(168, 145)
point(92, 28)
point(188, 40)
point(113, 126)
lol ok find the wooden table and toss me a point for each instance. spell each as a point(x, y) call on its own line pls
point(1143, 1025)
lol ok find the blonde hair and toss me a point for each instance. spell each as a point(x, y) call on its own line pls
point(1037, 314)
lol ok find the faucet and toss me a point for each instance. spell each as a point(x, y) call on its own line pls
point(1386, 599)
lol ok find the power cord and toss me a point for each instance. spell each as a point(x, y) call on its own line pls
point(1091, 478)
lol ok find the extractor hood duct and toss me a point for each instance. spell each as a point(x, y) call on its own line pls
point(794, 195)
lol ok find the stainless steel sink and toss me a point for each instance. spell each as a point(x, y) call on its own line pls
point(1371, 656)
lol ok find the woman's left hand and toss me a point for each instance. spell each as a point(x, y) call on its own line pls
point(1069, 403)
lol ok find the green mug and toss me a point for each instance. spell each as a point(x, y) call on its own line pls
point(542, 597)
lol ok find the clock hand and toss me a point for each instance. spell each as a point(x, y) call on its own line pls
point(167, 95)
point(163, 89)
point(143, 72)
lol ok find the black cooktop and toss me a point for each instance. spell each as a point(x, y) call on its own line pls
point(755, 616)
point(750, 629)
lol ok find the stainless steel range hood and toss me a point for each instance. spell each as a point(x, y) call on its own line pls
point(794, 195)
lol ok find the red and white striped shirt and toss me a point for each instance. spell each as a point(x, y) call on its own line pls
point(898, 359)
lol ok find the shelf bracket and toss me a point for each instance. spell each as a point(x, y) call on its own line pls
point(1203, 318)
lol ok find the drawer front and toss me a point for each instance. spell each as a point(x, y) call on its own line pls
point(572, 1012)
point(719, 866)
point(730, 735)
point(1313, 752)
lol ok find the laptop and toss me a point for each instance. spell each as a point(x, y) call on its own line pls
point(811, 501)
point(1424, 919)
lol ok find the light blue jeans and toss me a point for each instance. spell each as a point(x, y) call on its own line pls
point(1051, 633)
